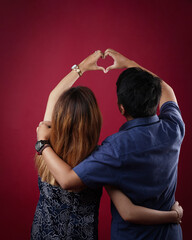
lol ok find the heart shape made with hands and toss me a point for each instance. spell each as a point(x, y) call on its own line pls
point(105, 62)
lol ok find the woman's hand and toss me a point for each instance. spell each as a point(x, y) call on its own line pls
point(90, 63)
point(119, 60)
point(43, 130)
point(179, 210)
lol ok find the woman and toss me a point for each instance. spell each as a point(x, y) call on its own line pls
point(74, 133)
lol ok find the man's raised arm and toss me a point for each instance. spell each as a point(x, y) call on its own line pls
point(121, 61)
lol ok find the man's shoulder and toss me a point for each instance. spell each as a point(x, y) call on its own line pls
point(170, 115)
point(169, 109)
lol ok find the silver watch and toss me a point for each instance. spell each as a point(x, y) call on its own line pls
point(76, 69)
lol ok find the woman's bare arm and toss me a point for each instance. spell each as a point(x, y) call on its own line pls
point(62, 172)
point(141, 215)
point(90, 63)
point(63, 85)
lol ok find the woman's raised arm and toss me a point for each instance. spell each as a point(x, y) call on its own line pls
point(63, 85)
point(141, 215)
point(90, 63)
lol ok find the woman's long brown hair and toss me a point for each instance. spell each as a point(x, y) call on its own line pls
point(75, 129)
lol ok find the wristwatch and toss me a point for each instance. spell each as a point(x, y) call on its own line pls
point(76, 69)
point(41, 145)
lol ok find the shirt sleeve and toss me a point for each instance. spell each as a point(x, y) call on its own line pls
point(170, 112)
point(100, 167)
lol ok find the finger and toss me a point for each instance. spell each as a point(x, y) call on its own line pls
point(99, 54)
point(97, 51)
point(113, 55)
point(110, 52)
point(48, 123)
point(101, 68)
point(110, 68)
point(43, 122)
point(37, 129)
point(106, 53)
point(40, 123)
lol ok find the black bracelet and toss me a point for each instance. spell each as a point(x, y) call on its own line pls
point(45, 146)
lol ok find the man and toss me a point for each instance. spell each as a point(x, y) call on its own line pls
point(142, 158)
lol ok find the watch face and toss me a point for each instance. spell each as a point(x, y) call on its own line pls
point(74, 67)
point(38, 146)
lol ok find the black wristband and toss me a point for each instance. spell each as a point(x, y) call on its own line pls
point(40, 145)
point(45, 146)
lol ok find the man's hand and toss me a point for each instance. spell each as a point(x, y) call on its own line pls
point(43, 130)
point(177, 208)
point(119, 60)
point(90, 63)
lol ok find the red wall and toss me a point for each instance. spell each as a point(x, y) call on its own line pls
point(40, 40)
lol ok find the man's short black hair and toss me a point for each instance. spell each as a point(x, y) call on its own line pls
point(139, 92)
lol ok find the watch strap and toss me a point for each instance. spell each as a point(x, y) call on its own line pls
point(40, 144)
point(45, 146)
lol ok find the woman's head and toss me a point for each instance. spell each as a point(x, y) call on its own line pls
point(76, 125)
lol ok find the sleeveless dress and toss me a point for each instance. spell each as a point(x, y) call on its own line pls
point(61, 214)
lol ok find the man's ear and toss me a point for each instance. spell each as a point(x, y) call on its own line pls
point(121, 109)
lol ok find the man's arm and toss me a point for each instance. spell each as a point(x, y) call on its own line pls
point(121, 61)
point(167, 94)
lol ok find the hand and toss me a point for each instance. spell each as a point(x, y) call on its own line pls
point(176, 207)
point(90, 63)
point(43, 130)
point(119, 60)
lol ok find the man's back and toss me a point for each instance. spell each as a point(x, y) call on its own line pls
point(141, 159)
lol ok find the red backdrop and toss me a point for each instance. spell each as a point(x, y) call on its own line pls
point(40, 40)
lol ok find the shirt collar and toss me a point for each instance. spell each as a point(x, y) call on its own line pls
point(139, 122)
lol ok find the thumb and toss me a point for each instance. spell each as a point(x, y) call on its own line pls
point(101, 68)
point(110, 68)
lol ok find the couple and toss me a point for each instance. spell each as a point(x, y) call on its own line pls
point(137, 165)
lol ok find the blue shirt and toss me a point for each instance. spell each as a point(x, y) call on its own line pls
point(141, 159)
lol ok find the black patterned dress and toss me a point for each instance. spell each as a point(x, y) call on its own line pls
point(61, 214)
